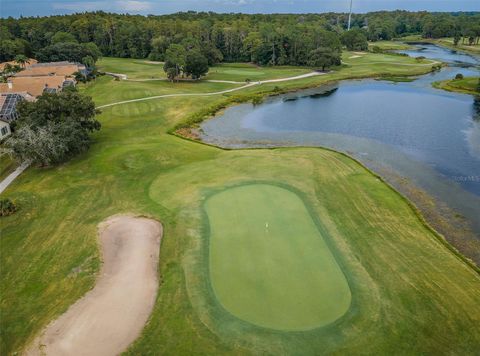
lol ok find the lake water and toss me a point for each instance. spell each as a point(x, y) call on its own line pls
point(426, 135)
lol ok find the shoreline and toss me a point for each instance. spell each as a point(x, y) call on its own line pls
point(434, 214)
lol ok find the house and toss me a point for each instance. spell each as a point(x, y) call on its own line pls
point(36, 86)
point(8, 112)
point(30, 62)
point(33, 81)
point(53, 68)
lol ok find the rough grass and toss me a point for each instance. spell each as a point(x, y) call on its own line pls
point(468, 85)
point(410, 293)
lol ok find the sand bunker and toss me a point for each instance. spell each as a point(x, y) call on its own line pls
point(112, 315)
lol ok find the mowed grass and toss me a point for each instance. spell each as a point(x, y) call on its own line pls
point(240, 72)
point(7, 165)
point(389, 45)
point(410, 294)
point(269, 263)
point(133, 68)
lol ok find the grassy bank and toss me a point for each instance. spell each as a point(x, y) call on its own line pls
point(403, 280)
point(467, 85)
point(445, 42)
point(389, 45)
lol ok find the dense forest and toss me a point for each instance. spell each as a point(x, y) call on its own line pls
point(274, 39)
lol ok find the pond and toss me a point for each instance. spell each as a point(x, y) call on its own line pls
point(426, 135)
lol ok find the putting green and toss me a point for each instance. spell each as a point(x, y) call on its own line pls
point(269, 263)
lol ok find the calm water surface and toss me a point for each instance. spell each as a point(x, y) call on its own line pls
point(427, 135)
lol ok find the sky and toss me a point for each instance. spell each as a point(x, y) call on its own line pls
point(18, 8)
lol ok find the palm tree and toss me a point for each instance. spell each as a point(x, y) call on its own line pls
point(22, 60)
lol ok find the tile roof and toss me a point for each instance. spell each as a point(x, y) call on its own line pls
point(31, 61)
point(52, 68)
point(33, 85)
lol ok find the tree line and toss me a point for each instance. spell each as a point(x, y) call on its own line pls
point(265, 39)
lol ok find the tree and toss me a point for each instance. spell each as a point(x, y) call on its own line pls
point(88, 61)
point(456, 38)
point(21, 59)
point(324, 57)
point(69, 51)
point(54, 128)
point(212, 54)
point(355, 40)
point(159, 47)
point(175, 58)
point(196, 65)
point(251, 45)
point(64, 37)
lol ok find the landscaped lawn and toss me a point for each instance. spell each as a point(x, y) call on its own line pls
point(409, 292)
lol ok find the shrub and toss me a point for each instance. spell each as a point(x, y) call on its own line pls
point(376, 49)
point(257, 100)
point(7, 207)
point(419, 59)
point(459, 76)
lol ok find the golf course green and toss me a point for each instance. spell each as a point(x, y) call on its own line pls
point(269, 263)
point(409, 291)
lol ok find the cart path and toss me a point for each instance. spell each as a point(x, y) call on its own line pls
point(307, 75)
point(12, 176)
point(112, 315)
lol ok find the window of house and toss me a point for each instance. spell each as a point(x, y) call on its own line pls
point(4, 131)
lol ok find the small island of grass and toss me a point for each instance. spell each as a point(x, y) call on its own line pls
point(467, 85)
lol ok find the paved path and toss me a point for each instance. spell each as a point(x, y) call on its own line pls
point(307, 75)
point(8, 180)
point(112, 315)
point(11, 177)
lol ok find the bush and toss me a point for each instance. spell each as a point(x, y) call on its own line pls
point(257, 100)
point(459, 76)
point(419, 59)
point(7, 207)
point(376, 49)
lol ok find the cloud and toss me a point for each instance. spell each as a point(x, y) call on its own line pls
point(133, 6)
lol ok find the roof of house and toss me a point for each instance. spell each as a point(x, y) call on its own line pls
point(30, 62)
point(8, 104)
point(51, 68)
point(32, 85)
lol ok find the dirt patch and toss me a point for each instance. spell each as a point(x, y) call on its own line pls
point(112, 315)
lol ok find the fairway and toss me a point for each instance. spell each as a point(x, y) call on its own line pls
point(269, 264)
point(402, 280)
